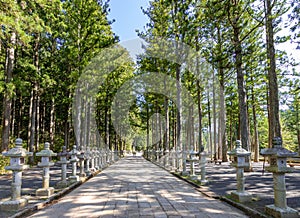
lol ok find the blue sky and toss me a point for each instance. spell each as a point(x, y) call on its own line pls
point(128, 16)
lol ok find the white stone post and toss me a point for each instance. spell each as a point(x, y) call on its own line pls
point(74, 159)
point(112, 156)
point(45, 163)
point(17, 166)
point(278, 167)
point(240, 154)
point(192, 161)
point(63, 162)
point(87, 161)
point(81, 158)
point(93, 155)
point(102, 165)
point(167, 159)
point(97, 158)
point(202, 164)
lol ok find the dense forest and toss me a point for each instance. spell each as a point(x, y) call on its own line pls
point(46, 46)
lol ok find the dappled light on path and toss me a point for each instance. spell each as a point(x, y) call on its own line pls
point(133, 187)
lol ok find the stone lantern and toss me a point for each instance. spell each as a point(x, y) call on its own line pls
point(173, 155)
point(97, 158)
point(74, 153)
point(167, 158)
point(45, 163)
point(17, 166)
point(92, 161)
point(202, 164)
point(278, 156)
point(157, 155)
point(112, 156)
point(193, 160)
point(81, 158)
point(88, 157)
point(178, 160)
point(116, 156)
point(63, 162)
point(105, 159)
point(240, 155)
point(102, 159)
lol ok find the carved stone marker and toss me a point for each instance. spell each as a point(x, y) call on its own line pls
point(240, 155)
point(278, 167)
point(17, 155)
point(45, 163)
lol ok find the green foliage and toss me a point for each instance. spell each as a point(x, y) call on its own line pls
point(4, 161)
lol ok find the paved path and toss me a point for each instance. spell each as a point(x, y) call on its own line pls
point(133, 187)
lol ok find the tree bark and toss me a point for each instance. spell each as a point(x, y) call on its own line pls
point(32, 121)
point(199, 115)
point(243, 114)
point(256, 140)
point(167, 128)
point(274, 128)
point(214, 118)
point(7, 98)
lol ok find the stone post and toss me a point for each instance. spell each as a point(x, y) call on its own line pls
point(87, 156)
point(105, 158)
point(202, 164)
point(240, 163)
point(45, 163)
point(184, 158)
point(97, 159)
point(93, 156)
point(157, 156)
point(278, 156)
point(74, 153)
point(102, 158)
point(112, 156)
point(81, 158)
point(17, 166)
point(167, 159)
point(192, 161)
point(116, 155)
point(63, 162)
point(173, 159)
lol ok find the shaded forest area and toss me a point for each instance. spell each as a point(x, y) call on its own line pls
point(46, 45)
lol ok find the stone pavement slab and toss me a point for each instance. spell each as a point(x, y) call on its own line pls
point(134, 187)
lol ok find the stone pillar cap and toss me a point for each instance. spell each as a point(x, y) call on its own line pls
point(277, 150)
point(46, 152)
point(239, 151)
point(17, 151)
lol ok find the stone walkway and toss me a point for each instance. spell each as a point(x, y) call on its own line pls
point(133, 187)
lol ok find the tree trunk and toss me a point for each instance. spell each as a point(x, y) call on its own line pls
point(167, 128)
point(7, 97)
point(214, 118)
point(199, 114)
point(222, 133)
point(37, 121)
point(52, 122)
point(19, 116)
point(179, 109)
point(243, 115)
point(209, 124)
point(32, 121)
point(274, 128)
point(13, 117)
point(256, 142)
